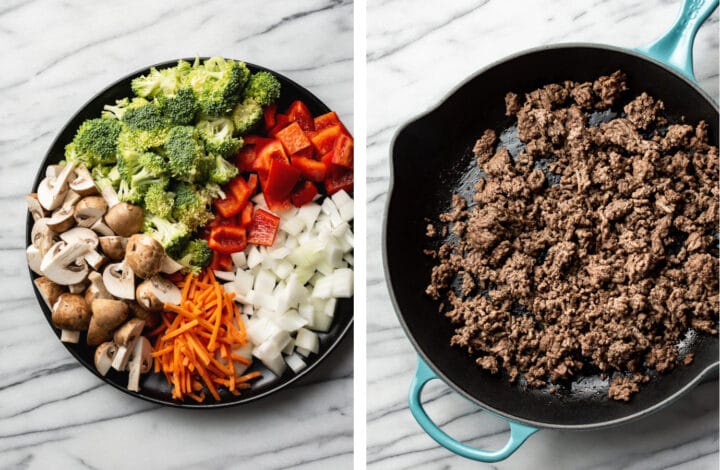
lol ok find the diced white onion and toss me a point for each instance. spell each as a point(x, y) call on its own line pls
point(295, 363)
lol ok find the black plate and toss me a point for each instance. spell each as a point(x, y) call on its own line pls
point(433, 152)
point(154, 387)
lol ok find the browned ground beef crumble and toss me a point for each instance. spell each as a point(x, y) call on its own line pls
point(609, 267)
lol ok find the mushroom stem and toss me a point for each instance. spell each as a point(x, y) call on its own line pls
point(69, 336)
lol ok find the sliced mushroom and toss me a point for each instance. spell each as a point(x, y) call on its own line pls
point(49, 290)
point(169, 265)
point(96, 289)
point(34, 259)
point(78, 288)
point(61, 219)
point(104, 355)
point(144, 255)
point(125, 337)
point(107, 316)
point(51, 191)
point(119, 280)
point(72, 315)
point(71, 198)
point(153, 293)
point(124, 219)
point(140, 363)
point(52, 171)
point(63, 263)
point(36, 210)
point(113, 247)
point(89, 210)
point(42, 236)
point(151, 319)
point(90, 238)
point(101, 228)
point(83, 183)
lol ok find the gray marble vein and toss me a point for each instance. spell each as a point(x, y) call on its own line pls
point(415, 57)
point(54, 413)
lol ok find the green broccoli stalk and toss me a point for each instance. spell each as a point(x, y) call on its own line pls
point(95, 143)
point(191, 206)
point(263, 88)
point(217, 84)
point(185, 152)
point(173, 236)
point(218, 136)
point(196, 255)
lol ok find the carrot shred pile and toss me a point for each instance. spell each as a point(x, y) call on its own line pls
point(194, 344)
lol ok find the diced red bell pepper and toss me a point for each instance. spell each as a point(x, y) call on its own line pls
point(281, 179)
point(246, 215)
point(343, 151)
point(221, 262)
point(311, 169)
point(246, 158)
point(264, 228)
point(277, 204)
point(304, 194)
point(324, 140)
point(327, 161)
point(228, 239)
point(229, 206)
point(256, 140)
point(241, 190)
point(175, 277)
point(281, 120)
point(293, 139)
point(339, 178)
point(298, 112)
point(269, 116)
point(326, 120)
point(252, 184)
point(271, 150)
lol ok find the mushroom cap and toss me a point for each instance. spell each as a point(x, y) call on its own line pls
point(42, 236)
point(144, 255)
point(34, 206)
point(83, 183)
point(61, 219)
point(71, 312)
point(49, 290)
point(63, 263)
point(151, 319)
point(113, 246)
point(128, 333)
point(119, 280)
point(34, 259)
point(124, 219)
point(142, 353)
point(107, 315)
point(89, 210)
point(104, 355)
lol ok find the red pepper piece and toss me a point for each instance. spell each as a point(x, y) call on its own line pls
point(228, 239)
point(343, 151)
point(221, 262)
point(294, 139)
point(324, 140)
point(246, 215)
point(339, 178)
point(311, 169)
point(281, 120)
point(227, 207)
point(269, 116)
point(281, 179)
point(304, 194)
point(256, 140)
point(264, 228)
point(271, 150)
point(175, 277)
point(326, 120)
point(246, 158)
point(252, 183)
point(300, 113)
point(241, 190)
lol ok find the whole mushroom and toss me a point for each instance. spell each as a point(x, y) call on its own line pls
point(107, 316)
point(124, 219)
point(113, 246)
point(144, 255)
point(72, 315)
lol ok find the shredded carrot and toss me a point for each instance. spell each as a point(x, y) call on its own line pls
point(195, 341)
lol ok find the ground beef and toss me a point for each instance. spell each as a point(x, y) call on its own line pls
point(594, 250)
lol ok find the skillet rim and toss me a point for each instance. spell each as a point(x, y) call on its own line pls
point(389, 283)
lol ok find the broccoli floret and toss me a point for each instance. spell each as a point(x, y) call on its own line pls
point(95, 143)
point(191, 206)
point(145, 118)
point(105, 176)
point(117, 111)
point(262, 87)
point(196, 255)
point(223, 171)
point(158, 200)
point(212, 191)
point(185, 153)
point(157, 81)
point(217, 84)
point(128, 193)
point(246, 115)
point(180, 108)
point(172, 235)
point(138, 174)
point(217, 135)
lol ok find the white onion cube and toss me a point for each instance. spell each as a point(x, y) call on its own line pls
point(254, 257)
point(323, 287)
point(308, 340)
point(295, 363)
point(264, 282)
point(342, 283)
point(309, 214)
point(239, 259)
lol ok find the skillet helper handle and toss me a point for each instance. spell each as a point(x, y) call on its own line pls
point(674, 48)
point(518, 432)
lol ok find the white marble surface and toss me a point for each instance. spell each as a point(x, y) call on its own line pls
point(54, 414)
point(416, 55)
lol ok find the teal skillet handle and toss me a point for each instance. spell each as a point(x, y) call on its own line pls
point(518, 432)
point(674, 48)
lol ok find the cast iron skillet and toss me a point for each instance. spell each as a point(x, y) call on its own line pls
point(433, 152)
point(154, 387)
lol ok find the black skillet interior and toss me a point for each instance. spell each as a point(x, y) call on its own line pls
point(432, 159)
point(154, 387)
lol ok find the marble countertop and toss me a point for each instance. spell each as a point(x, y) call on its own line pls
point(53, 412)
point(415, 56)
